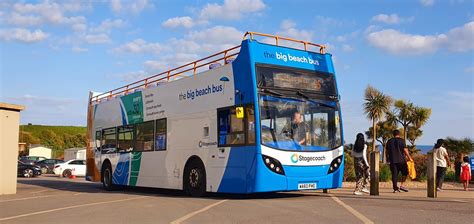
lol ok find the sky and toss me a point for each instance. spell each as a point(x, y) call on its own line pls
point(54, 52)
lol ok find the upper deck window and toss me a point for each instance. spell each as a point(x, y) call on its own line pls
point(291, 78)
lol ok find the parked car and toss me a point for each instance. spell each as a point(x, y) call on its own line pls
point(31, 159)
point(74, 166)
point(47, 165)
point(28, 170)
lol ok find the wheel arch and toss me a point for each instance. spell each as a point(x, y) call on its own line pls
point(190, 160)
point(105, 163)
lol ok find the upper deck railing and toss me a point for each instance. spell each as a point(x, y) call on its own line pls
point(185, 70)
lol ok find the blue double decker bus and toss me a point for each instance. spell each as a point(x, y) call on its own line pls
point(258, 117)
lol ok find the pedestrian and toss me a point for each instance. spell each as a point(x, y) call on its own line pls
point(359, 152)
point(396, 153)
point(465, 175)
point(442, 161)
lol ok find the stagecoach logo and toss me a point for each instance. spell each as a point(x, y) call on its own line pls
point(295, 158)
point(206, 144)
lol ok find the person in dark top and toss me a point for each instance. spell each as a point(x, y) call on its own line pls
point(396, 153)
point(298, 129)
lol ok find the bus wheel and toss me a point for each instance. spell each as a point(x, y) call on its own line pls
point(195, 179)
point(107, 178)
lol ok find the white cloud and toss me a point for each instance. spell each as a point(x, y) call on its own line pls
point(231, 9)
point(396, 42)
point(134, 7)
point(47, 12)
point(427, 2)
point(47, 110)
point(97, 38)
point(347, 48)
point(391, 19)
point(288, 29)
point(23, 35)
point(23, 20)
point(348, 36)
point(79, 49)
point(129, 76)
point(461, 38)
point(139, 46)
point(458, 39)
point(154, 67)
point(116, 5)
point(185, 21)
point(469, 70)
point(107, 25)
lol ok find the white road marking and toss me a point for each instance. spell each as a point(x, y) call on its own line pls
point(69, 207)
point(188, 216)
point(34, 192)
point(21, 199)
point(352, 211)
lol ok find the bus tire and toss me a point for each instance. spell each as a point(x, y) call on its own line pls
point(106, 177)
point(194, 178)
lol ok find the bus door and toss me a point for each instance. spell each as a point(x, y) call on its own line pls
point(97, 146)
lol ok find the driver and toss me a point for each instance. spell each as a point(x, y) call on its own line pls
point(298, 129)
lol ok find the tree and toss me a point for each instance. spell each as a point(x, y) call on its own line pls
point(376, 106)
point(384, 133)
point(406, 114)
point(458, 147)
point(413, 134)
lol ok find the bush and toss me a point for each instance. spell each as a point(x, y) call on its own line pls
point(421, 162)
point(349, 170)
point(385, 174)
point(450, 176)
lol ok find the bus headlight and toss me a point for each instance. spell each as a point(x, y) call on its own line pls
point(273, 164)
point(335, 164)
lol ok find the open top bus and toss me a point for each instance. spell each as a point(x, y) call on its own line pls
point(262, 118)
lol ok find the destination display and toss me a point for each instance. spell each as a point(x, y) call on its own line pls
point(279, 77)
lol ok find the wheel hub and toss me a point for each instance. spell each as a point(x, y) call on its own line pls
point(194, 178)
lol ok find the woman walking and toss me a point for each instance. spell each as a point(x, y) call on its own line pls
point(359, 152)
point(442, 162)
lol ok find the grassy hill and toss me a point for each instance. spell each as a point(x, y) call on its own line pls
point(37, 129)
point(57, 138)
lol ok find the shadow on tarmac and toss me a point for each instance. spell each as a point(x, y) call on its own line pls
point(62, 184)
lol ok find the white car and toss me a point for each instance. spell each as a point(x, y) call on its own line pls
point(74, 167)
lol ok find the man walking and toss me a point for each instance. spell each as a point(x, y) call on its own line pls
point(396, 153)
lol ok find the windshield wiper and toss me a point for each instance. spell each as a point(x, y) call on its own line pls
point(272, 92)
point(299, 93)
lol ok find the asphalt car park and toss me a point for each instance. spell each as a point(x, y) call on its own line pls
point(49, 199)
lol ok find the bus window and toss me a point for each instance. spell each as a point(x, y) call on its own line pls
point(231, 128)
point(125, 138)
point(98, 137)
point(250, 124)
point(109, 140)
point(144, 136)
point(160, 134)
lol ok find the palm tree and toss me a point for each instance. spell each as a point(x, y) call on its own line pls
point(406, 114)
point(413, 134)
point(420, 116)
point(375, 106)
point(384, 133)
point(402, 114)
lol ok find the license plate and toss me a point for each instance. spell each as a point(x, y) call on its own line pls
point(306, 186)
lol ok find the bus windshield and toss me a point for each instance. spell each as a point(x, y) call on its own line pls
point(299, 124)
